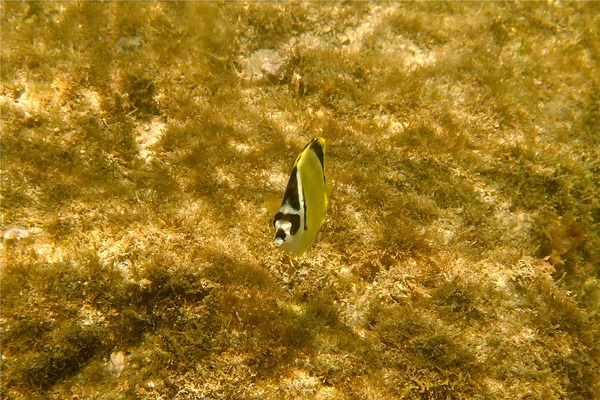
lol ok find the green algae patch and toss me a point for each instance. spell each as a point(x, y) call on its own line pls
point(142, 144)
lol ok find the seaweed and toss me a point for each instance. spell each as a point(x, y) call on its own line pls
point(142, 143)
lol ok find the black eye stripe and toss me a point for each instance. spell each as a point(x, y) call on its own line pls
point(278, 217)
point(294, 219)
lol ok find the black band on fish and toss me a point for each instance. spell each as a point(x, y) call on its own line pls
point(291, 192)
point(316, 146)
point(294, 219)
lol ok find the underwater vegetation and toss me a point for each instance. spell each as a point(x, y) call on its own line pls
point(142, 144)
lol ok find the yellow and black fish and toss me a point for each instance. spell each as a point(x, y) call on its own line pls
point(304, 204)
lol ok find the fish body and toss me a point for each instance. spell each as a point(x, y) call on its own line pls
point(305, 202)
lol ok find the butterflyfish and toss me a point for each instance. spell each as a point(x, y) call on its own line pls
point(304, 204)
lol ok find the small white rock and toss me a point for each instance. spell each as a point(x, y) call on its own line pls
point(117, 362)
point(16, 233)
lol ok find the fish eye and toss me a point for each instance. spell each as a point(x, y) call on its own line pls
point(277, 217)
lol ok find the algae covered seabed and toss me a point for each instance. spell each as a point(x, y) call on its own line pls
point(143, 145)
